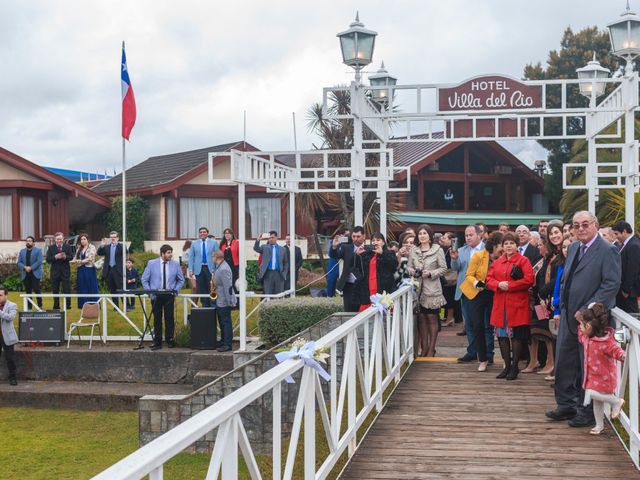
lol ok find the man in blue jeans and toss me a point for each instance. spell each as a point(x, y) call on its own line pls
point(460, 262)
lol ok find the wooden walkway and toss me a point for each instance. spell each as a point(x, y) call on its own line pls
point(447, 420)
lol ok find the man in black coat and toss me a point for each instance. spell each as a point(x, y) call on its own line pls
point(58, 256)
point(525, 247)
point(627, 298)
point(346, 253)
point(299, 261)
point(112, 268)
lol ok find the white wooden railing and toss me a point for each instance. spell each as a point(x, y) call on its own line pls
point(628, 379)
point(375, 348)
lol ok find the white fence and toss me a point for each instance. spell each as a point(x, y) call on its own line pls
point(375, 348)
point(628, 379)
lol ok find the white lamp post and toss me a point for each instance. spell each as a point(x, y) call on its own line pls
point(381, 79)
point(590, 76)
point(357, 45)
point(625, 37)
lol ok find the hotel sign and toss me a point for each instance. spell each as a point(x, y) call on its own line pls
point(492, 92)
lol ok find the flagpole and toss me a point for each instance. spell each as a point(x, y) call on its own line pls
point(124, 219)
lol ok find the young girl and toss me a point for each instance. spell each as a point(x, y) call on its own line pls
point(600, 353)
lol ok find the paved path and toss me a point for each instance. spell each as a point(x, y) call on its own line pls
point(447, 420)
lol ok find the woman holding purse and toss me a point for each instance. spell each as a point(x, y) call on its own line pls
point(510, 278)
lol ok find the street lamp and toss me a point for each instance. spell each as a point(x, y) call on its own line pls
point(624, 34)
point(540, 166)
point(381, 79)
point(357, 46)
point(589, 77)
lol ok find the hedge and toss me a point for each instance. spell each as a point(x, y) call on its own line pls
point(284, 318)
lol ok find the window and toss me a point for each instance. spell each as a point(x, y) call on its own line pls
point(265, 215)
point(487, 196)
point(444, 195)
point(171, 213)
point(213, 213)
point(28, 214)
point(452, 162)
point(6, 225)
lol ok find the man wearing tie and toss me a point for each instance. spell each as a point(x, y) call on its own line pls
point(526, 248)
point(112, 268)
point(592, 274)
point(166, 274)
point(58, 256)
point(273, 269)
point(201, 263)
point(30, 265)
point(627, 298)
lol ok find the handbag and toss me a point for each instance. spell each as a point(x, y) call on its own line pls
point(450, 278)
point(541, 312)
point(516, 273)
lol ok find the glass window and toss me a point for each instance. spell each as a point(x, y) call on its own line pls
point(444, 195)
point(172, 220)
point(452, 162)
point(265, 215)
point(487, 196)
point(27, 217)
point(480, 165)
point(6, 225)
point(213, 213)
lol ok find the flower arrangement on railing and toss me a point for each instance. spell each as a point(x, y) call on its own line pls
point(382, 302)
point(306, 351)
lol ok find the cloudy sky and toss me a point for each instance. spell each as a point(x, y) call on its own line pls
point(197, 65)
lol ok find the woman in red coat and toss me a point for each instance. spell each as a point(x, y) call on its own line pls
point(510, 278)
point(230, 247)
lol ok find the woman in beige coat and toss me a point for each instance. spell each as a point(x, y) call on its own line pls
point(427, 264)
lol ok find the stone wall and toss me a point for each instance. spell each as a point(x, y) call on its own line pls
point(158, 414)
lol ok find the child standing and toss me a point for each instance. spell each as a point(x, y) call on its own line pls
point(132, 282)
point(600, 372)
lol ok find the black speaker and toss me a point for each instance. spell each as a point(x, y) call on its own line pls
point(48, 326)
point(203, 328)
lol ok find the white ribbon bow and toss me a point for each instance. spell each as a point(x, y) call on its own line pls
point(306, 354)
point(376, 302)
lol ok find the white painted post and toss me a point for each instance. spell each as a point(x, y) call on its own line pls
point(276, 406)
point(242, 290)
point(351, 391)
point(629, 158)
point(230, 459)
point(357, 160)
point(310, 424)
point(292, 243)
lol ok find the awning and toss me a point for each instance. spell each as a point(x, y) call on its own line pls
point(464, 219)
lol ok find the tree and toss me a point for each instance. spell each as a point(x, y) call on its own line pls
point(576, 49)
point(136, 217)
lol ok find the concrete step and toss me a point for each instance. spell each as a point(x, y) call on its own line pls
point(205, 377)
point(115, 396)
point(108, 363)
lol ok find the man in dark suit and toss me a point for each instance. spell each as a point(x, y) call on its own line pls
point(274, 266)
point(525, 247)
point(346, 253)
point(627, 298)
point(166, 274)
point(299, 261)
point(112, 268)
point(592, 274)
point(30, 265)
point(58, 256)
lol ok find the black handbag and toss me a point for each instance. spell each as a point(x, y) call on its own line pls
point(516, 273)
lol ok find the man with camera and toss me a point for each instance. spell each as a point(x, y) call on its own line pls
point(58, 256)
point(341, 249)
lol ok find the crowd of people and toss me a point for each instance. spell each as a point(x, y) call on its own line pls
point(542, 293)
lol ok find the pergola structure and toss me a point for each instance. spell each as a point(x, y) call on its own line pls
point(484, 108)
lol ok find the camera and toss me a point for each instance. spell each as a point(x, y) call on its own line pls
point(417, 273)
point(369, 248)
point(344, 239)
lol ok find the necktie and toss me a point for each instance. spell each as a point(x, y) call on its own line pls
point(204, 252)
point(112, 257)
point(274, 257)
point(164, 275)
point(59, 248)
point(583, 249)
point(521, 250)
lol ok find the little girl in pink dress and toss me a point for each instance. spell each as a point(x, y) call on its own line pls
point(600, 371)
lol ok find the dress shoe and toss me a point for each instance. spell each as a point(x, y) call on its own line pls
point(513, 372)
point(155, 346)
point(461, 334)
point(596, 430)
point(171, 344)
point(560, 414)
point(490, 360)
point(224, 348)
point(466, 359)
point(13, 381)
point(582, 420)
point(482, 367)
point(503, 373)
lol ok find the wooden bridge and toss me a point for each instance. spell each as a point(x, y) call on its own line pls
point(446, 420)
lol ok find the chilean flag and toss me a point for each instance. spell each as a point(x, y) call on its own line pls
point(128, 100)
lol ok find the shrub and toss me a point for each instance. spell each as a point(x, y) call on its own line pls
point(252, 276)
point(285, 318)
point(136, 217)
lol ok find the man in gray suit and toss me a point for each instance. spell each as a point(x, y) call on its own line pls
point(226, 299)
point(592, 274)
point(274, 266)
point(8, 312)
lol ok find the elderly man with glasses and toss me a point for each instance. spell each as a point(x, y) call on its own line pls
point(592, 274)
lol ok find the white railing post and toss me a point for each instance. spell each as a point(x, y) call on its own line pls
point(104, 320)
point(310, 424)
point(276, 455)
point(351, 391)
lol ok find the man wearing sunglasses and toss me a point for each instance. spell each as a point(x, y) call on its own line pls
point(592, 274)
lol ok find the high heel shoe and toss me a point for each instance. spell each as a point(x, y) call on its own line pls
point(531, 369)
point(482, 367)
point(504, 372)
point(448, 323)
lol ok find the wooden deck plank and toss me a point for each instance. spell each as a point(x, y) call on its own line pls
point(448, 421)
